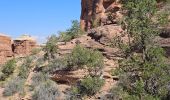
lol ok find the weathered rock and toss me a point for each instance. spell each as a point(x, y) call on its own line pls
point(105, 34)
point(99, 12)
point(5, 48)
point(24, 45)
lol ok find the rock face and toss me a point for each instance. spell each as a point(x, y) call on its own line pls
point(99, 12)
point(20, 47)
point(105, 34)
point(23, 45)
point(5, 48)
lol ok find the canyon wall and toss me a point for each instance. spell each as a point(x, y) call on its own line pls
point(99, 12)
point(21, 46)
point(5, 48)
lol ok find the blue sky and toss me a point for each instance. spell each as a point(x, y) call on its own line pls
point(38, 18)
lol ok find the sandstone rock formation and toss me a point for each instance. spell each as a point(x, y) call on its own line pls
point(5, 48)
point(98, 12)
point(23, 45)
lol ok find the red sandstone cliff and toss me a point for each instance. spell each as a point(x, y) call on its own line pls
point(5, 48)
point(99, 12)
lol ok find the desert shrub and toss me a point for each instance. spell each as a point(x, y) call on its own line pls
point(95, 23)
point(117, 93)
point(56, 64)
point(50, 48)
point(38, 78)
point(72, 32)
point(46, 91)
point(81, 57)
point(116, 72)
point(95, 60)
point(25, 68)
point(88, 86)
point(35, 51)
point(13, 86)
point(8, 69)
point(65, 37)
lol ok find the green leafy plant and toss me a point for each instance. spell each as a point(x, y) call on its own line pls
point(51, 48)
point(88, 86)
point(81, 57)
point(8, 69)
point(24, 69)
point(71, 33)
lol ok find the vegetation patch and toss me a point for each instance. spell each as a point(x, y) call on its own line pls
point(87, 87)
point(14, 86)
point(24, 69)
point(7, 69)
point(71, 33)
point(46, 91)
point(143, 72)
point(51, 48)
point(81, 57)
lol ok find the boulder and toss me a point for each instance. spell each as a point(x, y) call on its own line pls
point(105, 34)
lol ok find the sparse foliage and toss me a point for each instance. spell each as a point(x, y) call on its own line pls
point(38, 78)
point(13, 86)
point(46, 91)
point(56, 64)
point(88, 87)
point(72, 32)
point(51, 48)
point(24, 69)
point(35, 51)
point(8, 69)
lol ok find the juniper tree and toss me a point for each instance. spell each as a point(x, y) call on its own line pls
point(144, 73)
point(50, 48)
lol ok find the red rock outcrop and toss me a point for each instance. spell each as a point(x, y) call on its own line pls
point(5, 48)
point(23, 45)
point(98, 12)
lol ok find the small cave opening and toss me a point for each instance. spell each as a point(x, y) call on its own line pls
point(165, 33)
point(62, 82)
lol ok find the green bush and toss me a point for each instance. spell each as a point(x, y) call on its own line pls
point(14, 86)
point(65, 37)
point(35, 51)
point(46, 91)
point(73, 32)
point(38, 78)
point(25, 68)
point(8, 69)
point(118, 93)
point(56, 64)
point(50, 48)
point(81, 57)
point(88, 86)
